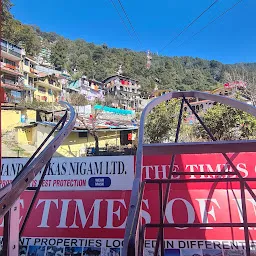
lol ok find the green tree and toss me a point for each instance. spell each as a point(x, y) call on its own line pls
point(6, 6)
point(161, 123)
point(59, 53)
point(27, 37)
point(227, 123)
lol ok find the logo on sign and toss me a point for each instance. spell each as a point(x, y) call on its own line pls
point(99, 182)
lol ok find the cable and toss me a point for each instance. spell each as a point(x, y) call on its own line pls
point(188, 26)
point(222, 14)
point(129, 32)
point(130, 21)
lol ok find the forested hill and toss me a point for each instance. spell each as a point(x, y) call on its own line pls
point(100, 61)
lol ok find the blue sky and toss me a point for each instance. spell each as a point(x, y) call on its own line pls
point(231, 39)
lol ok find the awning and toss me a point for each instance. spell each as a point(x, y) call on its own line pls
point(114, 110)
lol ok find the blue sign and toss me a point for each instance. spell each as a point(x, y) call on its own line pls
point(99, 182)
point(23, 119)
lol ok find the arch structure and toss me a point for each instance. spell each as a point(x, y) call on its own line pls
point(40, 160)
point(135, 232)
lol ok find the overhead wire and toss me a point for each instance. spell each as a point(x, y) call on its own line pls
point(212, 21)
point(127, 17)
point(189, 25)
point(129, 32)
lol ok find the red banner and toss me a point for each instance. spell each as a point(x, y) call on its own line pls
point(102, 214)
point(158, 168)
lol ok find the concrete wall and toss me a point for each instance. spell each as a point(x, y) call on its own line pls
point(26, 135)
point(42, 132)
point(76, 146)
point(10, 119)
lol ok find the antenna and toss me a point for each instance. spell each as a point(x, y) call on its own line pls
point(149, 58)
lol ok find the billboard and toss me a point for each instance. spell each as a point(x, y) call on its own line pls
point(89, 220)
point(82, 173)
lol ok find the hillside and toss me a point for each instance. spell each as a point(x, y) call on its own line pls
point(100, 61)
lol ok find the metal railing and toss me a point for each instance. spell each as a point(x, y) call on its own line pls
point(135, 231)
point(39, 160)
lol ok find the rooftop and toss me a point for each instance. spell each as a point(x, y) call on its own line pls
point(120, 76)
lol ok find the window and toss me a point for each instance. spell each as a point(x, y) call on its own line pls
point(124, 140)
point(50, 91)
point(25, 75)
point(30, 81)
point(26, 62)
point(41, 89)
point(82, 135)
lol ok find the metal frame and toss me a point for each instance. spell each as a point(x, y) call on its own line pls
point(135, 232)
point(41, 158)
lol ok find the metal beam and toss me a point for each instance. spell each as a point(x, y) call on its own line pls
point(26, 176)
point(167, 190)
point(200, 225)
point(11, 230)
point(34, 199)
point(179, 148)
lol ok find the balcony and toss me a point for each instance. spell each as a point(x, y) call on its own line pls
point(7, 68)
point(50, 85)
point(10, 51)
point(12, 85)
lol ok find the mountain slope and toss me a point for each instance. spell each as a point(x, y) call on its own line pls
point(100, 61)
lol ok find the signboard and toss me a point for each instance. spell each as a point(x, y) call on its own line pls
point(92, 219)
point(82, 173)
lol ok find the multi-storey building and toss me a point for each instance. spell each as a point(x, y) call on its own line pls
point(11, 71)
point(90, 88)
point(48, 88)
point(125, 90)
point(30, 74)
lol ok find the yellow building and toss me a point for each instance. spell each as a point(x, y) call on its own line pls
point(30, 73)
point(76, 144)
point(48, 88)
point(10, 118)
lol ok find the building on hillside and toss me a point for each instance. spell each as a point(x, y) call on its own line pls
point(43, 58)
point(158, 93)
point(11, 73)
point(125, 90)
point(30, 73)
point(48, 88)
point(90, 88)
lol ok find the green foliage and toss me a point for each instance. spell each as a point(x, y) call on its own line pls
point(77, 99)
point(98, 62)
point(227, 123)
point(6, 6)
point(28, 38)
point(162, 121)
point(59, 53)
